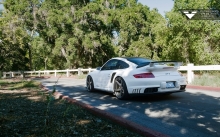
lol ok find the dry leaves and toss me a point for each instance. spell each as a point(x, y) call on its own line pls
point(25, 110)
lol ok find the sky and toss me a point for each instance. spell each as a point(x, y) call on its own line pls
point(161, 5)
point(1, 6)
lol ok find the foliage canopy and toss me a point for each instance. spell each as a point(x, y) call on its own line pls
point(61, 34)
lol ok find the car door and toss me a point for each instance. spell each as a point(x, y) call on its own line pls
point(120, 68)
point(106, 73)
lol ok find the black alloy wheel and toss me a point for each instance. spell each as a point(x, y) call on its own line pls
point(120, 88)
point(89, 84)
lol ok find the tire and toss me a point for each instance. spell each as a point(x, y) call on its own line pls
point(120, 88)
point(89, 84)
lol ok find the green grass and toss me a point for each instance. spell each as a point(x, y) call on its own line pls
point(11, 85)
point(29, 111)
point(207, 79)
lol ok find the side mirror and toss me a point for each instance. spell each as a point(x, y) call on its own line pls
point(98, 68)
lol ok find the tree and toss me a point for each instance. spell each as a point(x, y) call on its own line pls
point(12, 45)
point(214, 4)
point(130, 21)
point(73, 34)
point(189, 40)
point(58, 34)
point(23, 25)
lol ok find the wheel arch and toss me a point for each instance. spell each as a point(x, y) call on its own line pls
point(126, 94)
point(118, 74)
point(92, 74)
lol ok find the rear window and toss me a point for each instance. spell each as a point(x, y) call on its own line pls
point(140, 61)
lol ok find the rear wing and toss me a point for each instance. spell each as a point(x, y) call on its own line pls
point(164, 65)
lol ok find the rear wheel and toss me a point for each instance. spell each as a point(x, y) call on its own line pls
point(89, 84)
point(120, 88)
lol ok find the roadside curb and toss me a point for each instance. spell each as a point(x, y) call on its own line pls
point(114, 118)
point(203, 88)
point(144, 131)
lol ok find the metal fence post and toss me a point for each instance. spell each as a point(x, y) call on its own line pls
point(67, 73)
point(89, 70)
point(47, 72)
point(190, 73)
point(22, 74)
point(79, 71)
point(39, 73)
point(55, 73)
point(4, 74)
point(10, 75)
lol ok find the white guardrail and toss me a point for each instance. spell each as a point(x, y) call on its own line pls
point(190, 68)
point(45, 72)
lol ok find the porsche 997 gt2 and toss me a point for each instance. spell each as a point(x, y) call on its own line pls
point(128, 76)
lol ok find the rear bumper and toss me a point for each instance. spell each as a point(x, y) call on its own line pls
point(140, 85)
point(156, 93)
point(157, 90)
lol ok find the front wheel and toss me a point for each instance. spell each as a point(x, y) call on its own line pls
point(120, 88)
point(89, 84)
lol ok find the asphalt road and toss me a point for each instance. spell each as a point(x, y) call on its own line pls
point(194, 113)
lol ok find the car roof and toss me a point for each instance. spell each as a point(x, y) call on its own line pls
point(131, 58)
point(135, 60)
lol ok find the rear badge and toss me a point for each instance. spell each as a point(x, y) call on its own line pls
point(137, 90)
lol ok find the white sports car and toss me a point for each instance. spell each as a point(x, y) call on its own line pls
point(128, 76)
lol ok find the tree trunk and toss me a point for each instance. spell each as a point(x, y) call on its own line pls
point(45, 63)
point(30, 56)
point(66, 56)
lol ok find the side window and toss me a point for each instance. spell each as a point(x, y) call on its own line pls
point(122, 65)
point(110, 65)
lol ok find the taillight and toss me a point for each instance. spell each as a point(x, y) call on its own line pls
point(144, 75)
